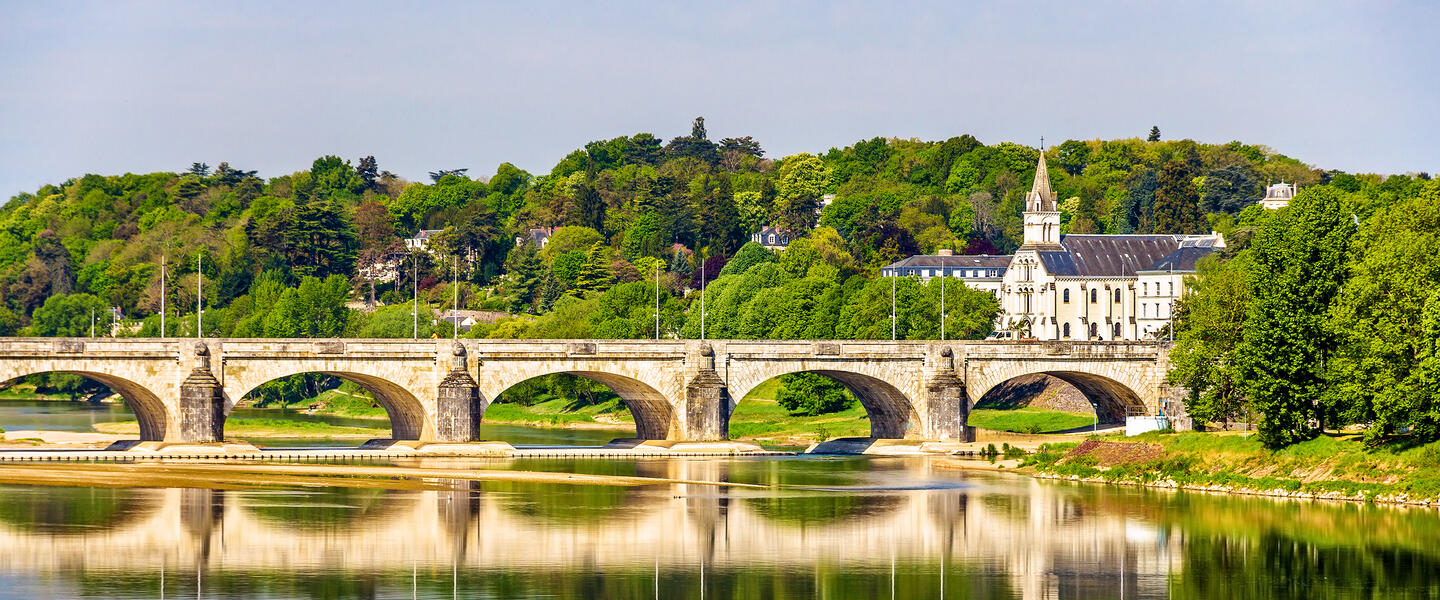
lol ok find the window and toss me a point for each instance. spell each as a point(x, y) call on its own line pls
point(1094, 330)
point(1117, 332)
point(1117, 295)
point(1144, 289)
point(1144, 310)
point(1066, 295)
point(1067, 330)
point(1172, 288)
point(1093, 297)
point(772, 239)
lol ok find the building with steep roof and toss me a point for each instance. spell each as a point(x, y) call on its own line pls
point(1278, 196)
point(1093, 287)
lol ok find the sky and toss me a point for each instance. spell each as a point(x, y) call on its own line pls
point(115, 87)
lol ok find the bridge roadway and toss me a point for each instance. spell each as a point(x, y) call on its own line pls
point(437, 390)
point(1031, 531)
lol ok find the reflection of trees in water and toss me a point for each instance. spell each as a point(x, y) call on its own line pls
point(75, 510)
point(323, 508)
point(570, 503)
point(1273, 565)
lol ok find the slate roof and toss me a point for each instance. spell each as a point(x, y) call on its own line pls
point(958, 261)
point(1120, 255)
point(1182, 259)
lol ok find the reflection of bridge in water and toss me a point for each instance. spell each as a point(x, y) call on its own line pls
point(1034, 531)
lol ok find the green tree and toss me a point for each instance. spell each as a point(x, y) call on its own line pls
point(810, 394)
point(322, 240)
point(750, 254)
point(68, 315)
point(1210, 326)
point(801, 183)
point(1154, 134)
point(1177, 204)
point(1299, 266)
point(1376, 374)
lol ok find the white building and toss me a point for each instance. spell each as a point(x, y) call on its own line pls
point(772, 238)
point(1278, 196)
point(1093, 287)
point(422, 238)
point(982, 272)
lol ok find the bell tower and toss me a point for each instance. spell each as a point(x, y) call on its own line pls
point(1042, 217)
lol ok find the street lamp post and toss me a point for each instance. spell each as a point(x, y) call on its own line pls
point(893, 277)
point(199, 295)
point(943, 277)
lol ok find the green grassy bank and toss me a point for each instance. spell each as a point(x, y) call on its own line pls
point(265, 427)
point(1331, 466)
point(1028, 420)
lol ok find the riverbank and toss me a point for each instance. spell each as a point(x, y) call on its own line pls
point(1330, 467)
point(246, 428)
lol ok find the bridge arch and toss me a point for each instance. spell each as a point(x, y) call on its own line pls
point(653, 413)
point(1113, 390)
point(149, 409)
point(405, 410)
point(892, 412)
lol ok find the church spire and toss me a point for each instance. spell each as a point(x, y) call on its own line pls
point(1040, 198)
point(1042, 217)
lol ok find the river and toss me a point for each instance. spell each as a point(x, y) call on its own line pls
point(825, 527)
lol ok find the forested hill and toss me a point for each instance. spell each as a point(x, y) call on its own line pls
point(272, 250)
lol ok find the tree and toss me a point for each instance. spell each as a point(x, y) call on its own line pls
point(801, 183)
point(1210, 326)
point(200, 169)
point(436, 176)
point(67, 316)
point(1299, 266)
point(1072, 156)
point(1231, 188)
point(321, 242)
point(1154, 134)
point(750, 254)
point(1177, 204)
point(524, 274)
point(1384, 316)
point(810, 394)
point(369, 171)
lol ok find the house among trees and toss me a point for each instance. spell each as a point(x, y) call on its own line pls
point(537, 237)
point(772, 238)
point(1278, 196)
point(422, 239)
point(985, 272)
point(1094, 287)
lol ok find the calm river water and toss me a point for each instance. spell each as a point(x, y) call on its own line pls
point(827, 528)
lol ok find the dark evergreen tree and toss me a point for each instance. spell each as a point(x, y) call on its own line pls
point(1154, 134)
point(1177, 204)
point(368, 170)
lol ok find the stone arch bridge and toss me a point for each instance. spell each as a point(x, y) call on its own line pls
point(438, 390)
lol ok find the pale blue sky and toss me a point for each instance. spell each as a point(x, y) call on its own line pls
point(110, 87)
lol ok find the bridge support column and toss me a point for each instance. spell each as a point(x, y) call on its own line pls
point(706, 406)
point(947, 407)
point(457, 405)
point(202, 403)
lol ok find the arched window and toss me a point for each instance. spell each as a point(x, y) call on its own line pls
point(1066, 294)
point(1117, 332)
point(1117, 295)
point(1093, 297)
point(1094, 329)
point(1067, 330)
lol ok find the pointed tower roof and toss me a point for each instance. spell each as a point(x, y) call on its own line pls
point(1040, 198)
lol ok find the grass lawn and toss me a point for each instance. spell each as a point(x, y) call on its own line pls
point(264, 427)
point(1027, 420)
point(764, 419)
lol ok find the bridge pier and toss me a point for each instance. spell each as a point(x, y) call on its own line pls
point(201, 418)
point(457, 402)
point(706, 409)
point(946, 405)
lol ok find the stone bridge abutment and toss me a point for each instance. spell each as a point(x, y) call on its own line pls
point(438, 390)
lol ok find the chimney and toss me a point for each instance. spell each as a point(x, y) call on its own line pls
point(946, 252)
